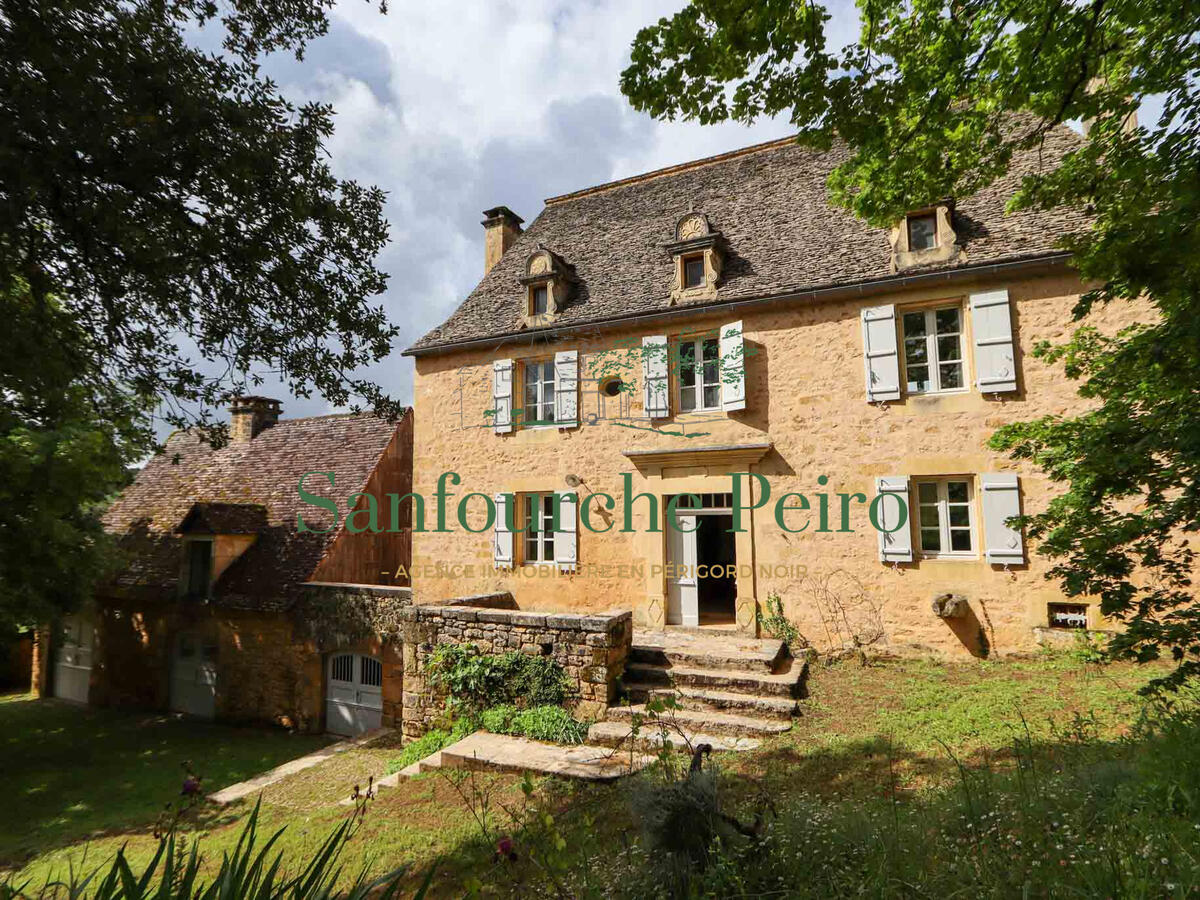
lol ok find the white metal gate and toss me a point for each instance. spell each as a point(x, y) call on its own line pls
point(73, 658)
point(353, 693)
point(194, 675)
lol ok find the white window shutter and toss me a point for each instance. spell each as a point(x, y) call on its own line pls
point(502, 394)
point(566, 538)
point(733, 367)
point(502, 538)
point(880, 355)
point(566, 388)
point(897, 546)
point(655, 382)
point(1001, 502)
point(995, 359)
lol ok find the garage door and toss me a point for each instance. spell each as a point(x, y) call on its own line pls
point(194, 675)
point(354, 693)
point(73, 658)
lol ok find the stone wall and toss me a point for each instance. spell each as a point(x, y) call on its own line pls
point(591, 649)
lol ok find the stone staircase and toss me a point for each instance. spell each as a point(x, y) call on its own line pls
point(732, 691)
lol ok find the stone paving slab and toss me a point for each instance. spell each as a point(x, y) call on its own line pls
point(482, 751)
point(252, 785)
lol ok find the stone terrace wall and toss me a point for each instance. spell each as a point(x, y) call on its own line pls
point(591, 649)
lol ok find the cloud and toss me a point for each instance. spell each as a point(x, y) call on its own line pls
point(454, 109)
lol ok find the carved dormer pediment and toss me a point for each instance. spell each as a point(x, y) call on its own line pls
point(698, 256)
point(548, 282)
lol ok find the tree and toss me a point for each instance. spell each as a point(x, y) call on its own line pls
point(933, 100)
point(169, 229)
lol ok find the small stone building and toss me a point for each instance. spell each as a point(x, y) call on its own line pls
point(224, 607)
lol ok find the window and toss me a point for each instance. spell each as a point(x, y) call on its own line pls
point(1067, 615)
point(933, 357)
point(922, 232)
point(199, 562)
point(538, 522)
point(693, 271)
point(541, 300)
point(539, 393)
point(612, 387)
point(699, 374)
point(370, 672)
point(946, 517)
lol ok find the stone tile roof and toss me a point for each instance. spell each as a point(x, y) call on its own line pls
point(224, 518)
point(782, 235)
point(261, 474)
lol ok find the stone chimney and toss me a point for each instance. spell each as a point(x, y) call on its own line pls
point(250, 416)
point(501, 226)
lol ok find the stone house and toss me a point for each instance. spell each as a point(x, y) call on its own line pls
point(223, 607)
point(697, 390)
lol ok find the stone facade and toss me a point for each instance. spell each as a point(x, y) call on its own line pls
point(805, 398)
point(591, 649)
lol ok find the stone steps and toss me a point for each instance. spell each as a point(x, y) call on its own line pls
point(710, 651)
point(650, 738)
point(782, 708)
point(703, 721)
point(484, 752)
point(787, 684)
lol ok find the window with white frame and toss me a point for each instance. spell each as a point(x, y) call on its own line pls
point(946, 517)
point(539, 393)
point(933, 350)
point(538, 522)
point(699, 374)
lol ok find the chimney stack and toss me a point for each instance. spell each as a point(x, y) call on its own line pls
point(501, 226)
point(250, 416)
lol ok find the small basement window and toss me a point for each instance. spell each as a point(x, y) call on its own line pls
point(693, 271)
point(922, 232)
point(1067, 615)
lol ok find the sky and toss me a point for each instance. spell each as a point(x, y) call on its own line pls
point(455, 108)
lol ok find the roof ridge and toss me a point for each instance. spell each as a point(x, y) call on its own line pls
point(673, 169)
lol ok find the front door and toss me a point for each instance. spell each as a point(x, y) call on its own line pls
point(194, 675)
point(73, 658)
point(353, 694)
point(683, 599)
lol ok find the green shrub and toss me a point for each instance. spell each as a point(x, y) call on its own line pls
point(540, 723)
point(477, 681)
point(777, 625)
point(250, 871)
point(431, 742)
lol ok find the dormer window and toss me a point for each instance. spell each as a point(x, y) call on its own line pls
point(548, 280)
point(924, 237)
point(698, 256)
point(922, 232)
point(541, 300)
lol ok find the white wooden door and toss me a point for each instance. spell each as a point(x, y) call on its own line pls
point(194, 675)
point(683, 595)
point(353, 694)
point(73, 658)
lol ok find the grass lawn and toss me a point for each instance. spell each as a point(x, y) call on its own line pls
point(69, 773)
point(867, 732)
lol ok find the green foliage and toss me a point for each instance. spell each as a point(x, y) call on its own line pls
point(170, 229)
point(774, 623)
point(540, 723)
point(934, 99)
point(1089, 649)
point(250, 871)
point(431, 742)
point(477, 681)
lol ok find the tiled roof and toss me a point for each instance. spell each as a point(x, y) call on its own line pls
point(782, 235)
point(224, 518)
point(262, 473)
